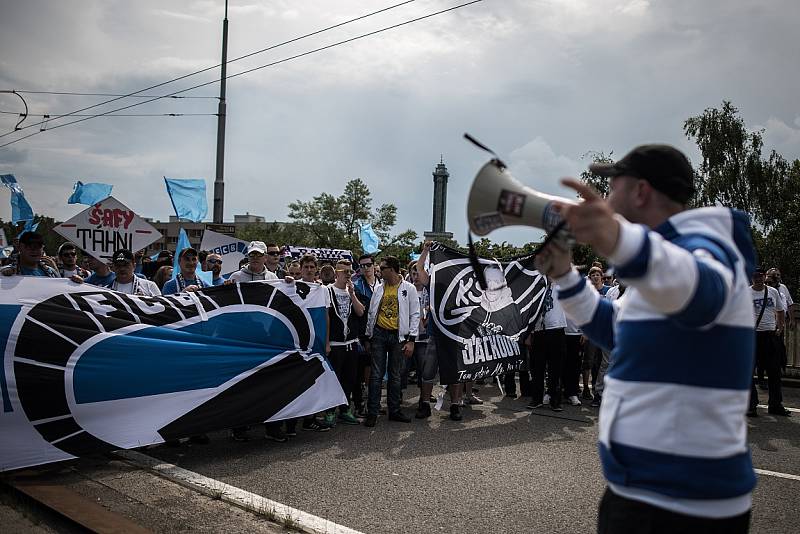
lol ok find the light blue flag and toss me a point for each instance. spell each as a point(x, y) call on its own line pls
point(414, 256)
point(30, 226)
point(183, 242)
point(369, 241)
point(20, 209)
point(188, 198)
point(89, 194)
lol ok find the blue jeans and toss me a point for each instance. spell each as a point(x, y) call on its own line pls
point(385, 346)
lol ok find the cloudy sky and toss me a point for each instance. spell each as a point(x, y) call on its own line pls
point(541, 81)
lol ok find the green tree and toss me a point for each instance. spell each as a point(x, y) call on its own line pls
point(732, 171)
point(334, 222)
point(595, 180)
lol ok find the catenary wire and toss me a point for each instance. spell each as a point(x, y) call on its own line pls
point(55, 116)
point(296, 56)
point(317, 32)
point(72, 93)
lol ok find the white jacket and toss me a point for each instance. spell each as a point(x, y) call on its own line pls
point(407, 309)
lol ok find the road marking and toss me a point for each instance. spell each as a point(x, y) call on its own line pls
point(796, 410)
point(776, 474)
point(251, 502)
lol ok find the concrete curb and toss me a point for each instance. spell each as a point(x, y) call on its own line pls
point(276, 512)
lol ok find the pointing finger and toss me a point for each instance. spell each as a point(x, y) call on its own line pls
point(586, 191)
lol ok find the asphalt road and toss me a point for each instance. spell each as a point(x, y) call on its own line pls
point(501, 470)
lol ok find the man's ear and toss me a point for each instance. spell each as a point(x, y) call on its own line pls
point(643, 193)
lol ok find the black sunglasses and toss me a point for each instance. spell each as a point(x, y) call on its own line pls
point(214, 262)
point(365, 265)
point(273, 253)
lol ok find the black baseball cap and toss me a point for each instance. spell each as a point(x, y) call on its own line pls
point(187, 250)
point(665, 167)
point(122, 256)
point(759, 270)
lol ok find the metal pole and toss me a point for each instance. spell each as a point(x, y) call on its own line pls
point(219, 184)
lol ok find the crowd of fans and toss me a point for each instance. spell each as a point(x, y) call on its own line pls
point(380, 329)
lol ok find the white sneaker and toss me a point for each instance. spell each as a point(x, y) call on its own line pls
point(574, 401)
point(546, 399)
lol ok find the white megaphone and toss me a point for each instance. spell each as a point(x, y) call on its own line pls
point(497, 199)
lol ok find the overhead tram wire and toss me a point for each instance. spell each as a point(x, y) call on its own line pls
point(296, 56)
point(55, 116)
point(272, 47)
point(71, 93)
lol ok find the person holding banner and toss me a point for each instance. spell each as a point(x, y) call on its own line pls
point(256, 268)
point(273, 260)
point(126, 280)
point(30, 260)
point(187, 279)
point(673, 434)
point(102, 275)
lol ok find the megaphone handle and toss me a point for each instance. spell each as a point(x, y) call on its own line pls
point(551, 235)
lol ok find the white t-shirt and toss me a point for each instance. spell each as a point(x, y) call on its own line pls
point(73, 272)
point(774, 304)
point(787, 297)
point(554, 316)
point(343, 302)
point(142, 287)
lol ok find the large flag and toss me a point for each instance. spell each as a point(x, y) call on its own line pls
point(481, 331)
point(89, 194)
point(188, 197)
point(20, 208)
point(369, 240)
point(87, 369)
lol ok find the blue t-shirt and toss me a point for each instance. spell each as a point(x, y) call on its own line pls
point(218, 281)
point(171, 286)
point(102, 281)
point(37, 271)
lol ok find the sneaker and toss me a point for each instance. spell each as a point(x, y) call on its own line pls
point(239, 434)
point(330, 419)
point(574, 400)
point(752, 412)
point(276, 434)
point(779, 410)
point(371, 420)
point(533, 405)
point(455, 412)
point(399, 416)
point(546, 399)
point(200, 439)
point(587, 394)
point(596, 401)
point(424, 410)
point(348, 418)
point(315, 425)
point(556, 408)
point(361, 411)
point(473, 400)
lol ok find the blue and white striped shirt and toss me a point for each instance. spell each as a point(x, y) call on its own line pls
point(672, 421)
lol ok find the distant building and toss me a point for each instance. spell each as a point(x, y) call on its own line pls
point(170, 230)
point(438, 232)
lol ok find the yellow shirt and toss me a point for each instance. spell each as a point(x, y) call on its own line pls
point(387, 311)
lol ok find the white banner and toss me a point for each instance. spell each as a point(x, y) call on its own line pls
point(108, 226)
point(230, 248)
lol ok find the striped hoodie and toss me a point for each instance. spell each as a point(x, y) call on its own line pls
point(672, 421)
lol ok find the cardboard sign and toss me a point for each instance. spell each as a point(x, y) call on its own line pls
point(230, 248)
point(108, 226)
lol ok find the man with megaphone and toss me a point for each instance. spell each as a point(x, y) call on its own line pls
point(673, 437)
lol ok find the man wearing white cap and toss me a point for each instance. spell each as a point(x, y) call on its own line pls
point(256, 268)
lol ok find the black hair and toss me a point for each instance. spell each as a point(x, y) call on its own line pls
point(392, 263)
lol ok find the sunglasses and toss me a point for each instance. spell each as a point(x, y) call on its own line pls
point(254, 255)
point(366, 265)
point(68, 254)
point(214, 262)
point(273, 253)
